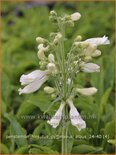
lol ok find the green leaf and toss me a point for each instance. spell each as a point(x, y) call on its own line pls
point(41, 100)
point(23, 110)
point(36, 151)
point(17, 130)
point(104, 100)
point(111, 141)
point(4, 149)
point(84, 149)
point(108, 131)
point(44, 149)
point(22, 150)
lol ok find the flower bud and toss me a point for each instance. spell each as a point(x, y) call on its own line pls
point(52, 68)
point(90, 67)
point(87, 58)
point(51, 58)
point(53, 16)
point(42, 64)
point(87, 91)
point(78, 38)
point(41, 47)
point(53, 13)
point(75, 16)
point(40, 40)
point(41, 55)
point(89, 50)
point(96, 53)
point(57, 38)
point(49, 90)
point(53, 96)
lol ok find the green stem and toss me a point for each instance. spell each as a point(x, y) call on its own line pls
point(64, 132)
point(64, 88)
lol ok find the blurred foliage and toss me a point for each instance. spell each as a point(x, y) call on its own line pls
point(21, 24)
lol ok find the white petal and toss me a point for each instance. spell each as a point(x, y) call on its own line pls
point(87, 91)
point(55, 120)
point(26, 79)
point(75, 16)
point(98, 41)
point(75, 117)
point(90, 68)
point(32, 87)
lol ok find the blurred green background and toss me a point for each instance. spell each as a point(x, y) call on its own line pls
point(21, 24)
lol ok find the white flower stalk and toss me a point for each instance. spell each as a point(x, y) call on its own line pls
point(51, 58)
point(75, 16)
point(90, 67)
point(49, 90)
point(33, 81)
point(75, 117)
point(98, 41)
point(87, 91)
point(55, 120)
point(62, 67)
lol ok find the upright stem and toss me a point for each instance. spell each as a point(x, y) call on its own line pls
point(64, 132)
point(64, 89)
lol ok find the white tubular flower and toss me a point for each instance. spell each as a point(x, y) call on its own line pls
point(55, 120)
point(75, 117)
point(33, 81)
point(49, 90)
point(75, 16)
point(90, 67)
point(52, 68)
point(98, 41)
point(51, 58)
point(87, 91)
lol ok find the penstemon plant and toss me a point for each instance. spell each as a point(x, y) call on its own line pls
point(63, 67)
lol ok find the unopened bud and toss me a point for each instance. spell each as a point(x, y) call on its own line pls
point(57, 37)
point(51, 58)
point(87, 58)
point(53, 96)
point(89, 51)
point(75, 16)
point(53, 13)
point(41, 55)
point(40, 40)
point(78, 38)
point(49, 90)
point(96, 53)
point(52, 68)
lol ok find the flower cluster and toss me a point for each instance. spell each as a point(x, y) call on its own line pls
point(63, 67)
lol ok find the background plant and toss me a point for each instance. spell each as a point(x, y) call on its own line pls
point(19, 55)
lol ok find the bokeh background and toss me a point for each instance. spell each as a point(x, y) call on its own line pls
point(22, 22)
